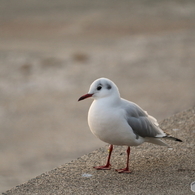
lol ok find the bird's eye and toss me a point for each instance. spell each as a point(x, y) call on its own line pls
point(99, 88)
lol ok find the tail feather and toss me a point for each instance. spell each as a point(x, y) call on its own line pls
point(156, 141)
point(172, 138)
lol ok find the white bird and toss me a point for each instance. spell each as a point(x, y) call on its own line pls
point(120, 122)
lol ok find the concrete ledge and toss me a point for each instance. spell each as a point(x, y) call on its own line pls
point(156, 170)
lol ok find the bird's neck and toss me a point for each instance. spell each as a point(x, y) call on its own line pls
point(108, 101)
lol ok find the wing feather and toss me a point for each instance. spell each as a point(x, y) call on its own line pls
point(142, 124)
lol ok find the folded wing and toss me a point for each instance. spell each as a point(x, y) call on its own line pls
point(142, 124)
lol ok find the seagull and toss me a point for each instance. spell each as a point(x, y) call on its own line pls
point(117, 121)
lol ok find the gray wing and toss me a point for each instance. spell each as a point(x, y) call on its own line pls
point(142, 124)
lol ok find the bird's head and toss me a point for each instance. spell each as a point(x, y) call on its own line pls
point(101, 88)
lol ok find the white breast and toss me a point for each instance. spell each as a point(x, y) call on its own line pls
point(110, 126)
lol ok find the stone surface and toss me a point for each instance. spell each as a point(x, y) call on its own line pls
point(155, 169)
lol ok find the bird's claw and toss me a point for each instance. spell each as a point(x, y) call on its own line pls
point(125, 170)
point(104, 167)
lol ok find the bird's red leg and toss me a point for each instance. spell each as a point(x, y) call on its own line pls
point(126, 169)
point(108, 165)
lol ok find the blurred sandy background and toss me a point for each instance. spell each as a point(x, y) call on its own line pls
point(51, 51)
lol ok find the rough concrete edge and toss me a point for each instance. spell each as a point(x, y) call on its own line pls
point(91, 153)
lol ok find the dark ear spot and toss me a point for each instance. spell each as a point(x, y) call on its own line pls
point(108, 86)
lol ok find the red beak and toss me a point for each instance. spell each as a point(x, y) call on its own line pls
point(85, 96)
